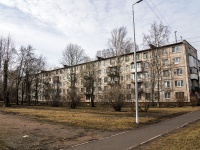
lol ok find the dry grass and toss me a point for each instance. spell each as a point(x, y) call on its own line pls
point(185, 138)
point(102, 118)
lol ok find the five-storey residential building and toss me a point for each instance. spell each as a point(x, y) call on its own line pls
point(167, 73)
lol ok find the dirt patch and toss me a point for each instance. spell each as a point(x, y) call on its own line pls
point(20, 132)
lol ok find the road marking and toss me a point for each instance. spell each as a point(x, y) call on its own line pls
point(146, 141)
point(100, 139)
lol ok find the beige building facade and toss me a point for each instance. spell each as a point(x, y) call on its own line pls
point(168, 73)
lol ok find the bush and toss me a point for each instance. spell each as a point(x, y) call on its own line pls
point(117, 106)
point(73, 98)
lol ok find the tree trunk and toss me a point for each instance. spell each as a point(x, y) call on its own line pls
point(5, 84)
point(28, 96)
point(22, 101)
point(92, 100)
point(158, 101)
point(36, 93)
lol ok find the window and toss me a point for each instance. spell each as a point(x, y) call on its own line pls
point(138, 65)
point(127, 67)
point(146, 85)
point(178, 71)
point(128, 96)
point(179, 83)
point(166, 84)
point(99, 80)
point(104, 62)
point(112, 61)
point(99, 88)
point(139, 95)
point(99, 72)
point(165, 62)
point(128, 77)
point(121, 78)
point(147, 96)
point(137, 56)
point(179, 95)
point(128, 86)
point(175, 49)
point(145, 55)
point(165, 73)
point(146, 65)
point(105, 79)
point(164, 51)
point(105, 71)
point(177, 60)
point(99, 63)
point(146, 74)
point(105, 88)
point(132, 66)
point(167, 95)
point(127, 58)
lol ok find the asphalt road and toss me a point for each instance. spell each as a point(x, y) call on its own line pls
point(129, 140)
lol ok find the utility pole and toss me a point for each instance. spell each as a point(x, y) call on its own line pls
point(135, 63)
point(175, 36)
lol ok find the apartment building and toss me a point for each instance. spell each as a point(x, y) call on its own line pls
point(167, 73)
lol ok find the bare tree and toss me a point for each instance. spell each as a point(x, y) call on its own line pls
point(73, 54)
point(158, 36)
point(7, 47)
point(39, 64)
point(115, 94)
point(89, 75)
point(29, 65)
point(73, 96)
point(119, 44)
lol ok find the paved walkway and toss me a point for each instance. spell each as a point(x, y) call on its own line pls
point(129, 140)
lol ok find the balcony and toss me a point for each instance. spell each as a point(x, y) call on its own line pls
point(138, 70)
point(138, 80)
point(113, 82)
point(194, 76)
point(140, 90)
point(113, 73)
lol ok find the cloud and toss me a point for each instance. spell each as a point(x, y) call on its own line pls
point(50, 25)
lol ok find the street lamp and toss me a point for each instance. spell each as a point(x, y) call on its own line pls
point(136, 90)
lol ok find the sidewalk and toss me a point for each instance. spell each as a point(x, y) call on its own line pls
point(131, 139)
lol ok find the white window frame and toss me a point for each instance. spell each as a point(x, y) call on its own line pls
point(177, 60)
point(178, 83)
point(167, 95)
point(165, 73)
point(164, 51)
point(178, 71)
point(175, 49)
point(165, 62)
point(167, 84)
point(145, 55)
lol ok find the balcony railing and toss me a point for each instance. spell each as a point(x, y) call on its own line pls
point(138, 80)
point(138, 70)
point(112, 73)
point(194, 76)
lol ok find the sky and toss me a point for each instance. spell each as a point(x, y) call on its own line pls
point(50, 25)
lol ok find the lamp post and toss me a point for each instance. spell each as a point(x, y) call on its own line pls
point(136, 90)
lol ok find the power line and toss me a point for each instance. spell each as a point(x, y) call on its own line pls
point(158, 16)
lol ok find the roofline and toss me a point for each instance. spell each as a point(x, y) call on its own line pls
point(173, 44)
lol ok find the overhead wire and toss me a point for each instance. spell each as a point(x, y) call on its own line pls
point(158, 16)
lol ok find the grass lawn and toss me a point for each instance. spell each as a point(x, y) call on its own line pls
point(100, 117)
point(184, 138)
